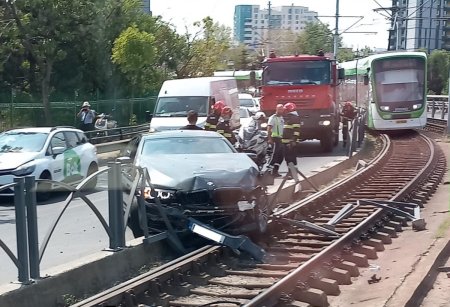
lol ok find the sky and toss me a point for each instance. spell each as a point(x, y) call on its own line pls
point(182, 13)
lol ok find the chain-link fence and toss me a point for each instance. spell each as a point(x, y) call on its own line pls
point(24, 114)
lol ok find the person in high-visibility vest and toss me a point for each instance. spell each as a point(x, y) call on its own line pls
point(224, 126)
point(213, 118)
point(291, 134)
point(275, 127)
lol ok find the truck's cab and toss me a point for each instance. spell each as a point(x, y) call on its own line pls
point(310, 82)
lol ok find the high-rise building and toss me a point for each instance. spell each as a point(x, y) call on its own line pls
point(146, 6)
point(251, 23)
point(419, 24)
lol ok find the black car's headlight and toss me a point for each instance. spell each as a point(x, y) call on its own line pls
point(162, 194)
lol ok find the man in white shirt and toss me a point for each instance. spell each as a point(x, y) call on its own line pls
point(87, 117)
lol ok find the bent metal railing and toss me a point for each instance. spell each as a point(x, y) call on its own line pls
point(29, 255)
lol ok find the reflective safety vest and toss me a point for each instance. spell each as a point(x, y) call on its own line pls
point(291, 131)
point(277, 124)
point(211, 122)
point(224, 128)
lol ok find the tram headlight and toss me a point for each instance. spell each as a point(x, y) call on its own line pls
point(384, 108)
point(325, 123)
point(417, 106)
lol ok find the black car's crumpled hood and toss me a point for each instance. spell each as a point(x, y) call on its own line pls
point(201, 171)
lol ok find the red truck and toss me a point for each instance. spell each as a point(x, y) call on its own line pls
point(310, 81)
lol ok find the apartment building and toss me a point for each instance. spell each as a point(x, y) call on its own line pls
point(251, 22)
point(420, 24)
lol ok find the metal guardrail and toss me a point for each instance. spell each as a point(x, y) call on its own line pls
point(29, 255)
point(116, 134)
point(437, 103)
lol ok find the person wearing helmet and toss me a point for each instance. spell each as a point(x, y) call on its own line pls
point(275, 126)
point(224, 126)
point(87, 117)
point(348, 113)
point(257, 120)
point(213, 118)
point(291, 136)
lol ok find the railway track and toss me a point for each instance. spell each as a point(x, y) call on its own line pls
point(304, 267)
point(436, 125)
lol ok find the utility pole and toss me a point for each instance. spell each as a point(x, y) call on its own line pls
point(336, 31)
point(448, 103)
point(269, 27)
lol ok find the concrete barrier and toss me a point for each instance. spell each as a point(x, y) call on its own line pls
point(111, 146)
point(104, 269)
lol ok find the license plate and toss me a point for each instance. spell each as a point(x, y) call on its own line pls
point(401, 121)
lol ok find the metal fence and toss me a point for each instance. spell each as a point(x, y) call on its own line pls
point(437, 105)
point(125, 111)
point(29, 254)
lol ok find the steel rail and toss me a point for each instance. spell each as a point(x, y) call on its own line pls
point(270, 296)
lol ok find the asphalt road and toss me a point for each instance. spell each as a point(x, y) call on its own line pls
point(79, 233)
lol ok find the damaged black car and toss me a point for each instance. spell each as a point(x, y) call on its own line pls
point(196, 174)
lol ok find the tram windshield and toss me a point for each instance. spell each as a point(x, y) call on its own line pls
point(400, 84)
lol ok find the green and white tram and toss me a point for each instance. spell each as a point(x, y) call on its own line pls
point(392, 87)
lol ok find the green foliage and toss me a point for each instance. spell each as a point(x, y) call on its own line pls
point(202, 52)
point(345, 54)
point(438, 71)
point(134, 53)
point(62, 50)
point(314, 37)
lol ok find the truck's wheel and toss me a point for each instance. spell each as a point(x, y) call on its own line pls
point(327, 142)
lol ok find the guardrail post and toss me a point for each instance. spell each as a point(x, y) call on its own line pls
point(442, 109)
point(115, 201)
point(33, 239)
point(433, 108)
point(21, 229)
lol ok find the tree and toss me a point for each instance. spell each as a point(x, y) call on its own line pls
point(438, 67)
point(345, 54)
point(134, 53)
point(314, 37)
point(44, 29)
point(203, 51)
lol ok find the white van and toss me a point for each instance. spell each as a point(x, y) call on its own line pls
point(177, 97)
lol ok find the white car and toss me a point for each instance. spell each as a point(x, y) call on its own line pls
point(247, 101)
point(245, 116)
point(60, 153)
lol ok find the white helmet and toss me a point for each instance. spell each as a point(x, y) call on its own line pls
point(259, 115)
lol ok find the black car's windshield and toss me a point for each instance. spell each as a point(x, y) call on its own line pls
point(179, 106)
point(185, 145)
point(22, 141)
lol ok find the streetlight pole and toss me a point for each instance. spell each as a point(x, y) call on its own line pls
point(336, 31)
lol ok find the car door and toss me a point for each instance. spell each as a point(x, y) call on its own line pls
point(76, 160)
point(56, 164)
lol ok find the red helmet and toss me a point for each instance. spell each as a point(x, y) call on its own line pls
point(218, 106)
point(227, 111)
point(290, 107)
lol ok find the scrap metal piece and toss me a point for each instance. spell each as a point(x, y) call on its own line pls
point(310, 226)
point(418, 223)
point(345, 212)
point(240, 242)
